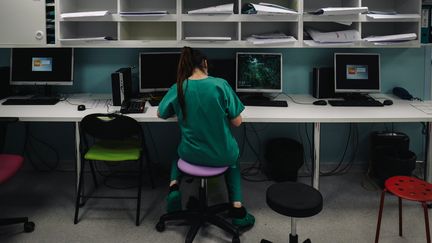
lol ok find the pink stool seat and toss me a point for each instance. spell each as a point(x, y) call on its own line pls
point(9, 165)
point(198, 170)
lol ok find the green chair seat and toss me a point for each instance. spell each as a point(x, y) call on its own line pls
point(114, 151)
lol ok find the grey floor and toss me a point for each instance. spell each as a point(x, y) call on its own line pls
point(349, 214)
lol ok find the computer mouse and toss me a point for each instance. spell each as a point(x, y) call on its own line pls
point(388, 102)
point(320, 102)
point(81, 107)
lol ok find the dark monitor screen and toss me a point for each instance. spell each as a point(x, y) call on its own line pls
point(158, 71)
point(223, 68)
point(357, 73)
point(41, 66)
point(259, 72)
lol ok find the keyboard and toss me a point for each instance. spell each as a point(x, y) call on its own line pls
point(31, 101)
point(269, 103)
point(355, 103)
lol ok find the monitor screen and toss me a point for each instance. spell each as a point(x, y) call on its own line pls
point(158, 71)
point(357, 73)
point(41, 66)
point(259, 72)
point(223, 68)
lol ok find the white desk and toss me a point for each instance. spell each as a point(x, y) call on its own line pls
point(400, 111)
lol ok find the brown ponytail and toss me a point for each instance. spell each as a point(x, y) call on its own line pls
point(189, 60)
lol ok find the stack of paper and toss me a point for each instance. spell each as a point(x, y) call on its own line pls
point(265, 9)
point(424, 106)
point(345, 36)
point(392, 38)
point(340, 11)
point(207, 38)
point(393, 16)
point(101, 38)
point(220, 9)
point(322, 44)
point(271, 38)
point(85, 14)
point(145, 13)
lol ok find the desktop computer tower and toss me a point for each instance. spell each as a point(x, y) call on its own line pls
point(390, 156)
point(5, 88)
point(121, 81)
point(323, 83)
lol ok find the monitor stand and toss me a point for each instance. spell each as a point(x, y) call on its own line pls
point(47, 95)
point(357, 96)
point(253, 96)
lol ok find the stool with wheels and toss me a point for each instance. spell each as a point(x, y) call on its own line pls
point(9, 166)
point(203, 214)
point(408, 188)
point(295, 200)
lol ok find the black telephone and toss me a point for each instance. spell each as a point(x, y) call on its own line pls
point(132, 106)
point(402, 93)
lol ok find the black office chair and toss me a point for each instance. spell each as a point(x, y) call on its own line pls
point(115, 138)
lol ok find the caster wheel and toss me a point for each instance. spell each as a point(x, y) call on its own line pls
point(235, 240)
point(160, 226)
point(29, 227)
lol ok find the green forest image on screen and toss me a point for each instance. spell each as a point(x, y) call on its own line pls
point(259, 71)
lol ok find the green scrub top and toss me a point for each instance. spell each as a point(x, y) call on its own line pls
point(206, 137)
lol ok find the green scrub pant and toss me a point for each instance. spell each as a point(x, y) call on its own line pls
point(232, 180)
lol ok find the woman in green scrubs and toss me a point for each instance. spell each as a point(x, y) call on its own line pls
point(206, 107)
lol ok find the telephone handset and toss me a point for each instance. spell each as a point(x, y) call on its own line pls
point(402, 93)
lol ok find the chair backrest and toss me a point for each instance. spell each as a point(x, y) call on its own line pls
point(110, 126)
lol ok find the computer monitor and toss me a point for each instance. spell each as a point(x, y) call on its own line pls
point(41, 66)
point(223, 68)
point(259, 72)
point(158, 70)
point(357, 73)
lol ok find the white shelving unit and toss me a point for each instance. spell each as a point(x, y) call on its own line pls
point(171, 29)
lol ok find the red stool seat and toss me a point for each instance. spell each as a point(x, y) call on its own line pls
point(9, 165)
point(409, 188)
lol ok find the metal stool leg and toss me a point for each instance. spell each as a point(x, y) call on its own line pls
point(426, 216)
point(380, 215)
point(293, 235)
point(78, 193)
point(400, 216)
point(138, 210)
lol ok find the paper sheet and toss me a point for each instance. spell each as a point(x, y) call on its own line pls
point(85, 14)
point(318, 44)
point(340, 11)
point(102, 38)
point(220, 9)
point(145, 13)
point(424, 106)
point(257, 41)
point(393, 16)
point(392, 38)
point(208, 38)
point(335, 36)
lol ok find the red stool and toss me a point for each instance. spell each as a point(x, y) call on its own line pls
point(408, 188)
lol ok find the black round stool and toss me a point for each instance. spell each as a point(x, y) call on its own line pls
point(295, 200)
